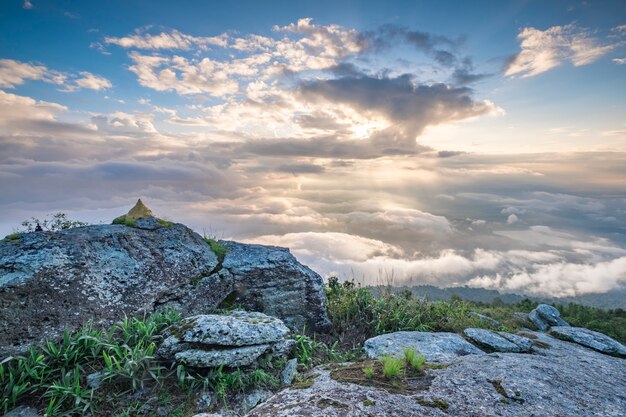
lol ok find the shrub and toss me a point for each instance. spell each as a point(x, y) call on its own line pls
point(52, 222)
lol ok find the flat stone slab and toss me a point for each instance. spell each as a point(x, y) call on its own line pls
point(242, 356)
point(436, 347)
point(499, 341)
point(588, 338)
point(239, 328)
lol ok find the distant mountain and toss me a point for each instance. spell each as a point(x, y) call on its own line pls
point(609, 300)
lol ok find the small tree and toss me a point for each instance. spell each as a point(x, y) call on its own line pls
point(52, 222)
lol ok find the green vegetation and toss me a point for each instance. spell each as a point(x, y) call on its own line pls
point(392, 367)
point(165, 223)
point(124, 221)
point(218, 249)
point(12, 237)
point(415, 361)
point(54, 375)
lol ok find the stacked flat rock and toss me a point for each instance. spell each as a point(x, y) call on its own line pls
point(499, 341)
point(436, 347)
point(233, 340)
point(545, 316)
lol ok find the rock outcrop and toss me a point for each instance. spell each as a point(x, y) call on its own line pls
point(55, 280)
point(233, 340)
point(589, 338)
point(565, 380)
point(435, 347)
point(545, 316)
point(499, 341)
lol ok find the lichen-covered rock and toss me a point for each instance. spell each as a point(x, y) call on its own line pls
point(499, 341)
point(589, 338)
point(22, 412)
point(50, 281)
point(545, 316)
point(289, 372)
point(236, 339)
point(436, 347)
point(566, 380)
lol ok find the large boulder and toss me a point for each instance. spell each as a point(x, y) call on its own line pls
point(499, 341)
point(55, 280)
point(565, 380)
point(545, 316)
point(589, 338)
point(436, 347)
point(235, 339)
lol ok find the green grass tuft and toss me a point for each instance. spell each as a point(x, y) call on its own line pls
point(218, 249)
point(124, 221)
point(392, 367)
point(12, 237)
point(415, 361)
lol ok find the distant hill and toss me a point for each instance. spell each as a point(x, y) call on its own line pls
point(610, 300)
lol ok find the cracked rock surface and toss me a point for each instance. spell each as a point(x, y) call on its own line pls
point(561, 381)
point(55, 280)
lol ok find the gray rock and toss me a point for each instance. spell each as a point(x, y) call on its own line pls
point(589, 338)
point(237, 328)
point(55, 280)
point(568, 380)
point(94, 380)
point(436, 347)
point(283, 347)
point(545, 316)
point(233, 340)
point(521, 317)
point(210, 358)
point(205, 401)
point(485, 319)
point(289, 372)
point(499, 341)
point(255, 398)
point(148, 223)
point(23, 412)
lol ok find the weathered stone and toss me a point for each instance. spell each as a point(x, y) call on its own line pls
point(23, 412)
point(436, 347)
point(499, 341)
point(210, 358)
point(567, 380)
point(545, 316)
point(521, 318)
point(235, 339)
point(283, 347)
point(51, 281)
point(94, 380)
point(205, 401)
point(289, 372)
point(589, 338)
point(255, 398)
point(237, 328)
point(486, 319)
point(148, 223)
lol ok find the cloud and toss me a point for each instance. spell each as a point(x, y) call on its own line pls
point(545, 50)
point(14, 73)
point(27, 5)
point(164, 40)
point(512, 219)
point(619, 61)
point(409, 107)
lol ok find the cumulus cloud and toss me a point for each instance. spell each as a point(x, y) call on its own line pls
point(14, 73)
point(619, 61)
point(512, 219)
point(27, 5)
point(543, 50)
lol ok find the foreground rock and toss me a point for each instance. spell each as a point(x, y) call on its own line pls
point(545, 316)
point(499, 341)
point(589, 338)
point(436, 347)
point(55, 280)
point(236, 339)
point(565, 380)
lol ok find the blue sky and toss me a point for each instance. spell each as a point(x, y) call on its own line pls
point(448, 143)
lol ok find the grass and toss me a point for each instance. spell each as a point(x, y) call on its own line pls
point(218, 249)
point(415, 361)
point(124, 221)
point(53, 375)
point(368, 371)
point(392, 367)
point(12, 237)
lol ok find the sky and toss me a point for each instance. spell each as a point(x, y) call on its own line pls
point(404, 142)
